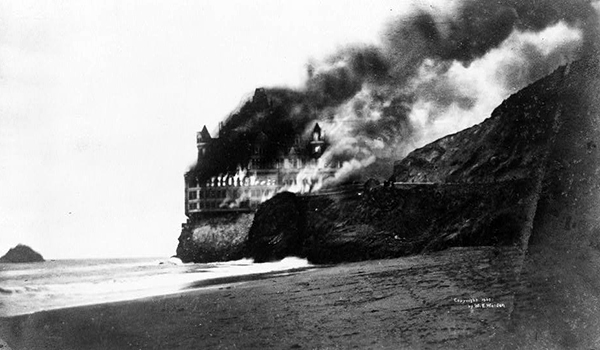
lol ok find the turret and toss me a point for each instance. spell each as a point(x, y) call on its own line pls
point(260, 100)
point(203, 139)
point(316, 142)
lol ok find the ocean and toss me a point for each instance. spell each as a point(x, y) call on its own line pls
point(32, 287)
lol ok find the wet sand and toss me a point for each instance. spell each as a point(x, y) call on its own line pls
point(416, 302)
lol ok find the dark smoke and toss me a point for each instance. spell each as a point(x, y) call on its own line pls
point(478, 27)
point(274, 116)
point(345, 75)
point(366, 93)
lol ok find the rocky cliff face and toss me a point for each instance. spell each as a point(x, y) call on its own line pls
point(215, 238)
point(387, 222)
point(21, 254)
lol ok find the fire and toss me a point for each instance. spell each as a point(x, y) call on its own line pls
point(309, 179)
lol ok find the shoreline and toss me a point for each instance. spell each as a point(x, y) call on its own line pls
point(29, 291)
point(197, 286)
point(393, 303)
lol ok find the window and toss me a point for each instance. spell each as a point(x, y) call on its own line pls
point(192, 194)
point(193, 206)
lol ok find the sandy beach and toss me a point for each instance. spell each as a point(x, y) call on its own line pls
point(459, 298)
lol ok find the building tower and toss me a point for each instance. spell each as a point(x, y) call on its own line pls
point(203, 139)
point(316, 142)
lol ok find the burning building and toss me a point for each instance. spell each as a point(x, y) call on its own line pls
point(379, 102)
point(297, 167)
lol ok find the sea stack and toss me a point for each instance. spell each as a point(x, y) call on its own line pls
point(21, 254)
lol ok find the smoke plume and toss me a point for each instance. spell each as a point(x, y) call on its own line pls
point(436, 71)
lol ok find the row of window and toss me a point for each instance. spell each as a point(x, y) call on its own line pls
point(216, 205)
point(222, 193)
point(290, 182)
point(207, 194)
point(239, 183)
point(293, 163)
point(212, 205)
point(193, 194)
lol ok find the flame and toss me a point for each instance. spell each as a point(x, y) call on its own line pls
point(298, 176)
point(310, 178)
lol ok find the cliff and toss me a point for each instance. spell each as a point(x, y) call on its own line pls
point(387, 222)
point(558, 304)
point(21, 254)
point(215, 238)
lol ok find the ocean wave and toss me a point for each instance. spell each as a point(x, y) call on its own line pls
point(66, 285)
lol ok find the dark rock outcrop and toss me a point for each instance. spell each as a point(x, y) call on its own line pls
point(21, 254)
point(391, 222)
point(273, 237)
point(387, 222)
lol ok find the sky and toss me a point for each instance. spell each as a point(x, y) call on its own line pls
point(100, 102)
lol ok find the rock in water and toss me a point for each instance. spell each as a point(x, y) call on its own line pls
point(21, 254)
point(276, 231)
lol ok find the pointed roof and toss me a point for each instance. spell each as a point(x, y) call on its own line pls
point(317, 128)
point(204, 135)
point(317, 134)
